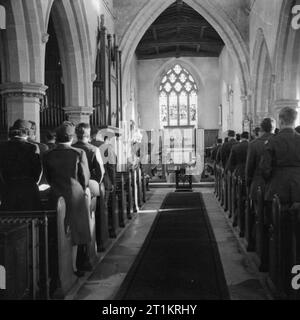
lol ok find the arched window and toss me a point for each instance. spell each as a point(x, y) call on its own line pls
point(178, 98)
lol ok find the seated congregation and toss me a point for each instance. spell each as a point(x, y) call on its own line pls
point(61, 204)
point(258, 184)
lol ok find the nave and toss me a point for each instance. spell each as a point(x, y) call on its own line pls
point(244, 282)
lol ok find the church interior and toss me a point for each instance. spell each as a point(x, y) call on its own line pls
point(163, 81)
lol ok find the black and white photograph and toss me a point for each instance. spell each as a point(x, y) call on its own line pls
point(149, 154)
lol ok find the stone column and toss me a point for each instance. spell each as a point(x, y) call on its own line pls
point(23, 101)
point(79, 114)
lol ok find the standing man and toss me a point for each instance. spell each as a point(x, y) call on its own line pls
point(255, 180)
point(281, 160)
point(236, 165)
point(20, 170)
point(67, 172)
point(224, 156)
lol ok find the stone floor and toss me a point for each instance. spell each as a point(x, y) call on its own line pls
point(242, 277)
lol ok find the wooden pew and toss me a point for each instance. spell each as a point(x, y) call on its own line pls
point(233, 206)
point(48, 250)
point(120, 185)
point(134, 190)
point(241, 208)
point(113, 209)
point(144, 185)
point(250, 223)
point(261, 232)
point(129, 193)
point(284, 247)
point(139, 186)
point(101, 217)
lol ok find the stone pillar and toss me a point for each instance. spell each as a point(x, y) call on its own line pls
point(23, 101)
point(79, 114)
point(279, 104)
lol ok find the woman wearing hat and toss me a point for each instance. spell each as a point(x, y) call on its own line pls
point(67, 171)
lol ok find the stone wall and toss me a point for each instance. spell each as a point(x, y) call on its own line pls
point(206, 74)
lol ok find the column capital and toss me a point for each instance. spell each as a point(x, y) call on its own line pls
point(23, 89)
point(79, 114)
point(281, 103)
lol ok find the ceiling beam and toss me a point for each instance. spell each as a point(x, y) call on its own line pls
point(172, 54)
point(179, 42)
point(182, 24)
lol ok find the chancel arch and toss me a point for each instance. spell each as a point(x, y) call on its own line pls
point(211, 12)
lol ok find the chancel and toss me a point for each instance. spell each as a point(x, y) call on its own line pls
point(148, 151)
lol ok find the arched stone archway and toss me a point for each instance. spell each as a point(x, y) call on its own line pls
point(262, 79)
point(287, 60)
point(76, 58)
point(212, 12)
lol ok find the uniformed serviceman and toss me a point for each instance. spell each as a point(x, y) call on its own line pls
point(67, 172)
point(254, 180)
point(226, 148)
point(280, 163)
point(20, 170)
point(236, 165)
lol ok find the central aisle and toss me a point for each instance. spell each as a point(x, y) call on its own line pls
point(179, 259)
point(243, 279)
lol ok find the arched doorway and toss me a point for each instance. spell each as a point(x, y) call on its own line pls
point(52, 110)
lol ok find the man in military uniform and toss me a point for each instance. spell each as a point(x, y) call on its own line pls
point(236, 165)
point(20, 170)
point(254, 180)
point(226, 148)
point(224, 156)
point(280, 163)
point(280, 166)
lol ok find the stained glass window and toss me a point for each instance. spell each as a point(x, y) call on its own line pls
point(178, 98)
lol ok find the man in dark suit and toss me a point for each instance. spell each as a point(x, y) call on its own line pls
point(20, 170)
point(226, 148)
point(83, 133)
point(254, 180)
point(67, 172)
point(236, 165)
point(254, 177)
point(237, 159)
point(280, 163)
point(96, 166)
